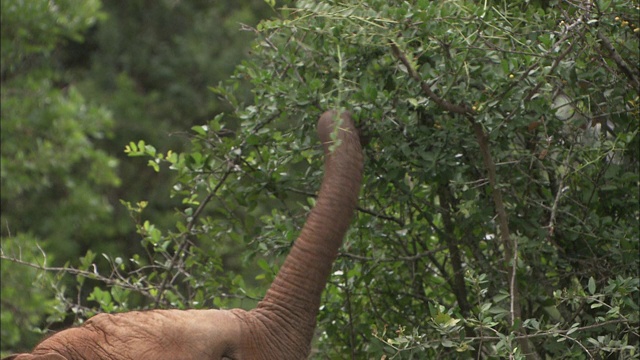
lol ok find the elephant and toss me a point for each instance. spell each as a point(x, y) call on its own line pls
point(283, 323)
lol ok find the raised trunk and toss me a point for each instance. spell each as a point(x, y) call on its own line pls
point(282, 325)
point(289, 309)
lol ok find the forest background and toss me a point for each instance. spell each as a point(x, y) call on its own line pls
point(161, 154)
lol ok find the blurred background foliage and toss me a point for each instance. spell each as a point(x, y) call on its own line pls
point(499, 216)
point(79, 81)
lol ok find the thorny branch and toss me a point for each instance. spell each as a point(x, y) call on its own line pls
point(552, 332)
point(120, 281)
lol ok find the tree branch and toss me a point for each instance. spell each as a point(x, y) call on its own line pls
point(552, 332)
point(395, 258)
point(94, 275)
point(462, 109)
point(184, 245)
point(624, 67)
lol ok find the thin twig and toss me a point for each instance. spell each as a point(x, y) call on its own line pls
point(556, 200)
point(395, 258)
point(358, 208)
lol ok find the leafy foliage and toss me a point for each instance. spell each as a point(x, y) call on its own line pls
point(51, 169)
point(27, 294)
point(499, 216)
point(498, 163)
point(78, 82)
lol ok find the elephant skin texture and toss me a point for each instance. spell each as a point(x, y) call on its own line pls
point(281, 326)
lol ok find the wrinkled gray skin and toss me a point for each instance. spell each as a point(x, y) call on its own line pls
point(282, 325)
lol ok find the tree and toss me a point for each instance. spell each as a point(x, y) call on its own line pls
point(52, 170)
point(500, 213)
point(79, 82)
point(499, 216)
point(150, 63)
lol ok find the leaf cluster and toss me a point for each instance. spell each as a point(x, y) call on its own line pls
point(499, 215)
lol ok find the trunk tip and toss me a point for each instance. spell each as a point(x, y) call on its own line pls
point(330, 119)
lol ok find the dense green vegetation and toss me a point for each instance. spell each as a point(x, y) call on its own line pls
point(499, 216)
point(79, 83)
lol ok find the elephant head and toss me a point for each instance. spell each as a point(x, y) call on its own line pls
point(280, 327)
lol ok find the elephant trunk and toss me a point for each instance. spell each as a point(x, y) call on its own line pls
point(289, 309)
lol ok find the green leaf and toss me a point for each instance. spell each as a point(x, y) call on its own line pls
point(591, 285)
